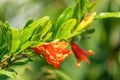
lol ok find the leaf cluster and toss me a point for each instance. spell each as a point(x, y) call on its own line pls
point(16, 44)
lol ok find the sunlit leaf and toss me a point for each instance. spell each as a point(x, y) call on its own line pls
point(67, 14)
point(108, 15)
point(7, 35)
point(83, 7)
point(41, 31)
point(45, 29)
point(47, 36)
point(29, 44)
point(66, 29)
point(15, 41)
point(28, 31)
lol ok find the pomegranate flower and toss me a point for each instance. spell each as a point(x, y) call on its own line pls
point(80, 54)
point(55, 52)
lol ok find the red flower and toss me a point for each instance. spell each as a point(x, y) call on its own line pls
point(80, 54)
point(55, 52)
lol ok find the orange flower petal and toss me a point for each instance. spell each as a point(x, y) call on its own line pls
point(80, 53)
point(55, 52)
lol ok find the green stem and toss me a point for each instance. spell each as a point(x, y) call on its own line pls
point(73, 35)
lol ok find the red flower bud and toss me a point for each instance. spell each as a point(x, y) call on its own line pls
point(80, 53)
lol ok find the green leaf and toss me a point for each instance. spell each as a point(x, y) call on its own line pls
point(28, 22)
point(66, 29)
point(1, 34)
point(8, 40)
point(15, 41)
point(108, 15)
point(28, 31)
point(89, 31)
point(29, 44)
point(22, 61)
point(35, 37)
point(92, 5)
point(3, 51)
point(41, 31)
point(19, 63)
point(80, 9)
point(45, 29)
point(10, 74)
point(67, 14)
point(47, 36)
point(7, 36)
point(83, 7)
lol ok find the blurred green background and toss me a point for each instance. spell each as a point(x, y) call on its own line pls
point(105, 41)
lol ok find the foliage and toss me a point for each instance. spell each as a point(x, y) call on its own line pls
point(16, 43)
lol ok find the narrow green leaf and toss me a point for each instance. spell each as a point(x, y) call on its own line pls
point(10, 74)
point(28, 31)
point(67, 14)
point(89, 31)
point(66, 29)
point(7, 36)
point(31, 44)
point(8, 40)
point(92, 5)
point(35, 37)
point(1, 36)
point(64, 16)
point(2, 48)
point(83, 7)
point(47, 36)
point(80, 9)
point(28, 44)
point(15, 41)
point(3, 51)
point(28, 22)
point(108, 15)
point(45, 29)
point(41, 32)
point(21, 62)
point(5, 39)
